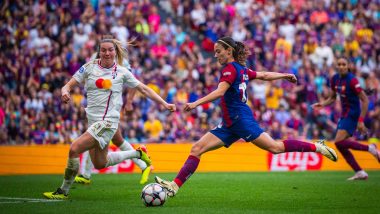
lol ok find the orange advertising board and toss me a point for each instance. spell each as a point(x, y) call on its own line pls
point(240, 157)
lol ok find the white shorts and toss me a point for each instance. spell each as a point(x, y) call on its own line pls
point(103, 131)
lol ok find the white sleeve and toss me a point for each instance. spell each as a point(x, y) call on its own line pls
point(130, 80)
point(80, 74)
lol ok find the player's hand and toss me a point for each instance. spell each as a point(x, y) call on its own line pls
point(291, 78)
point(190, 106)
point(317, 106)
point(361, 128)
point(128, 108)
point(65, 96)
point(170, 107)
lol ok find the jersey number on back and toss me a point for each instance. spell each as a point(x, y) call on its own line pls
point(243, 91)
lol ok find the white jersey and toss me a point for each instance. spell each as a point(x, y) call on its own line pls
point(104, 104)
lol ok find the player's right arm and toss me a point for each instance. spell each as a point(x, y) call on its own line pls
point(65, 91)
point(219, 92)
point(326, 102)
point(269, 76)
point(79, 77)
point(330, 99)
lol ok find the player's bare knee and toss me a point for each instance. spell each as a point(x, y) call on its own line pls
point(99, 165)
point(73, 152)
point(196, 150)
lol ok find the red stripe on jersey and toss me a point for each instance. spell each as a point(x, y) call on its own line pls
point(108, 104)
point(355, 86)
point(226, 115)
point(251, 74)
point(228, 74)
point(241, 92)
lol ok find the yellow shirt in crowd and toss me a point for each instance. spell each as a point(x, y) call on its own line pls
point(273, 97)
point(153, 128)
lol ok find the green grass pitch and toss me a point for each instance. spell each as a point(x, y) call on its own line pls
point(274, 192)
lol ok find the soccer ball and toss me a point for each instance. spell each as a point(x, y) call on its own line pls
point(153, 195)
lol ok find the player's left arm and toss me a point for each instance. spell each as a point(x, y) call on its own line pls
point(66, 90)
point(145, 90)
point(355, 85)
point(217, 93)
point(269, 76)
point(364, 108)
point(129, 100)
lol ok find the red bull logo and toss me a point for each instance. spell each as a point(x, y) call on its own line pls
point(294, 161)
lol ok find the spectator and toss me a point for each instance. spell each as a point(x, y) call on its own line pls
point(153, 128)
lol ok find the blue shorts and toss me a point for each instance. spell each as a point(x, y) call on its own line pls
point(348, 123)
point(246, 129)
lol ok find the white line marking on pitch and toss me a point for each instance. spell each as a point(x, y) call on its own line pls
point(23, 200)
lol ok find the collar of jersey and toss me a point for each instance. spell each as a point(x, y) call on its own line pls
point(114, 64)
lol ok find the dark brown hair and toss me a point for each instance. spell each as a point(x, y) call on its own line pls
point(239, 51)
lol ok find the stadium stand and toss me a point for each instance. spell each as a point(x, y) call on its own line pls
point(43, 43)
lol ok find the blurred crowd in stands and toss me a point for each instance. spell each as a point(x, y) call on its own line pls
point(43, 43)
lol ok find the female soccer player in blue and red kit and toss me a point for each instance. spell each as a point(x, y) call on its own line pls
point(351, 94)
point(238, 121)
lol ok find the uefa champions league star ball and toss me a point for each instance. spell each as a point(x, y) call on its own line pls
point(153, 195)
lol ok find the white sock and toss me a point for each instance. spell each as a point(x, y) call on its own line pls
point(372, 148)
point(86, 165)
point(70, 173)
point(118, 157)
point(126, 146)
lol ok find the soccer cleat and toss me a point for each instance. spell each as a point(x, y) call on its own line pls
point(326, 151)
point(373, 150)
point(144, 148)
point(144, 156)
point(360, 175)
point(57, 195)
point(80, 179)
point(145, 175)
point(170, 186)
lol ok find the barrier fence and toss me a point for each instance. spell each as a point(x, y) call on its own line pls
point(241, 157)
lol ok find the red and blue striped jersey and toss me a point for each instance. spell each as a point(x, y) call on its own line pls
point(348, 88)
point(233, 102)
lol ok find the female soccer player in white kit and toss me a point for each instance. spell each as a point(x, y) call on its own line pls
point(86, 165)
point(104, 79)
